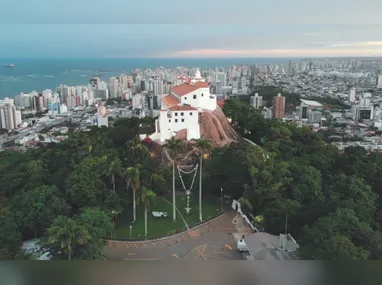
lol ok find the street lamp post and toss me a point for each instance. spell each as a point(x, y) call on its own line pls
point(221, 199)
point(131, 229)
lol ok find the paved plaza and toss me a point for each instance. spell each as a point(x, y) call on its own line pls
point(214, 240)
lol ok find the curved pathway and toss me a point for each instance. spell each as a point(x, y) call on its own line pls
point(167, 241)
point(215, 239)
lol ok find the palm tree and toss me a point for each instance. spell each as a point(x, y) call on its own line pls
point(204, 147)
point(147, 197)
point(67, 233)
point(135, 183)
point(175, 146)
point(113, 170)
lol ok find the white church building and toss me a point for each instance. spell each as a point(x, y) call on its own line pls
point(180, 109)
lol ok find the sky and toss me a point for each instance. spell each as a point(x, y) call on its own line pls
point(199, 28)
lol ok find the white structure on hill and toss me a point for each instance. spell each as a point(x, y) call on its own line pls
point(101, 118)
point(180, 109)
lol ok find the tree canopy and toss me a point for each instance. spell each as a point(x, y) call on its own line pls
point(64, 194)
point(332, 200)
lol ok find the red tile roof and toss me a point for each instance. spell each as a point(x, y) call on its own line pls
point(201, 84)
point(183, 89)
point(183, 108)
point(170, 100)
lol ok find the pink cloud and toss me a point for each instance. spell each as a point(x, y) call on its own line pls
point(276, 52)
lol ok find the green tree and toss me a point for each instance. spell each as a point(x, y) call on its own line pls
point(134, 176)
point(65, 233)
point(84, 186)
point(159, 184)
point(307, 184)
point(147, 197)
point(352, 192)
point(337, 248)
point(38, 207)
point(97, 222)
point(204, 148)
point(112, 170)
point(175, 146)
point(10, 236)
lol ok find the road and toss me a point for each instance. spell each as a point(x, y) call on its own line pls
point(214, 240)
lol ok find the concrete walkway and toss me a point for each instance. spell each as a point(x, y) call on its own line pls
point(241, 226)
point(211, 240)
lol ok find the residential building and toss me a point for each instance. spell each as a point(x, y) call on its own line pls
point(379, 81)
point(278, 106)
point(10, 117)
point(72, 101)
point(310, 111)
point(101, 118)
point(256, 101)
point(113, 87)
point(352, 94)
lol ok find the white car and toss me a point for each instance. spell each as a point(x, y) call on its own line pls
point(241, 246)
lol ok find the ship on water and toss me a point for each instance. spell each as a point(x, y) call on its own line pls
point(9, 65)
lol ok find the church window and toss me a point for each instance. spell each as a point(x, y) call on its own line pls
point(185, 98)
point(194, 96)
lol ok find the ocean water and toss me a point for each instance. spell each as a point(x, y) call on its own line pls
point(39, 74)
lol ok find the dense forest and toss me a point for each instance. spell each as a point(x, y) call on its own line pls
point(66, 193)
point(331, 199)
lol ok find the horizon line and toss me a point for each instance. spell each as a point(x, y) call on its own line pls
point(193, 58)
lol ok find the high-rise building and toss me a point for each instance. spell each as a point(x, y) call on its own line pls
point(289, 70)
point(10, 117)
point(123, 80)
point(221, 77)
point(113, 87)
point(256, 101)
point(379, 81)
point(39, 101)
point(278, 106)
point(72, 101)
point(352, 94)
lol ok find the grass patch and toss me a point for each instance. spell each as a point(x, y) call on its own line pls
point(163, 227)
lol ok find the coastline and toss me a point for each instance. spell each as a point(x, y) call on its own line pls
point(39, 74)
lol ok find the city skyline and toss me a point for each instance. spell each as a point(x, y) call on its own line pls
point(191, 30)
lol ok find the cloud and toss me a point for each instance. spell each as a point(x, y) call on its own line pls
point(200, 53)
point(188, 12)
point(359, 44)
point(121, 41)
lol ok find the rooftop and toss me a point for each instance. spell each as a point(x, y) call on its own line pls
point(311, 103)
point(170, 100)
point(183, 89)
point(263, 246)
